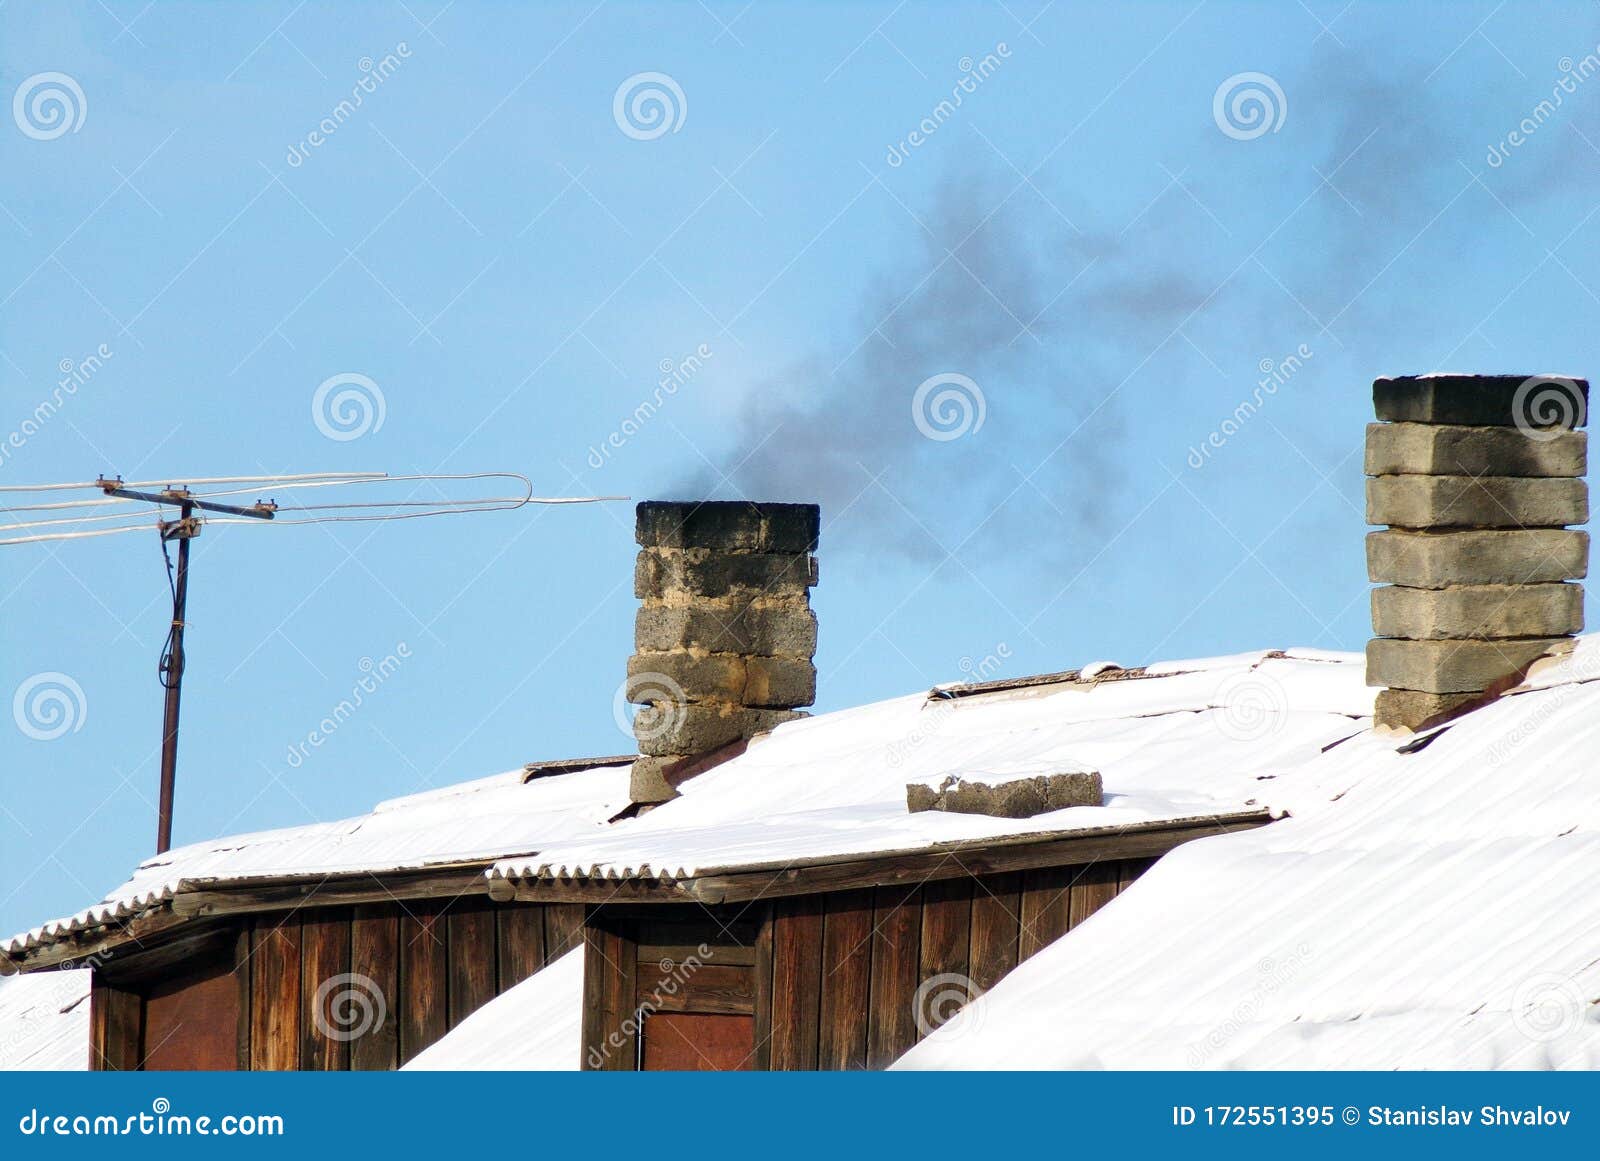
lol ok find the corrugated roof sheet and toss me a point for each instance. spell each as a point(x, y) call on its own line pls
point(1187, 740)
point(44, 1021)
point(480, 820)
point(1425, 909)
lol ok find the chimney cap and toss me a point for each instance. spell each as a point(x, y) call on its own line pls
point(729, 525)
point(1523, 401)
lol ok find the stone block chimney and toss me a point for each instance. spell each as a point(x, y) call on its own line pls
point(725, 635)
point(1479, 478)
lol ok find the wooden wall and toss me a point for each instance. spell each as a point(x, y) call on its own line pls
point(836, 977)
point(387, 980)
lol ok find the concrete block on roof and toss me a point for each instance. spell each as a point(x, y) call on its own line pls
point(1547, 402)
point(665, 729)
point(1412, 709)
point(661, 573)
point(1434, 560)
point(728, 525)
point(774, 631)
point(1453, 666)
point(1463, 611)
point(686, 676)
point(1454, 450)
point(1012, 798)
point(1414, 501)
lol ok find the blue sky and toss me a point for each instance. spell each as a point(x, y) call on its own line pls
point(1102, 256)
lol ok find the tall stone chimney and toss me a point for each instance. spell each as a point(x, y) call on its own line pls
point(1478, 478)
point(725, 635)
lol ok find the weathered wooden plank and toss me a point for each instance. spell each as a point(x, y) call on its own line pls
point(424, 975)
point(472, 957)
point(519, 930)
point(116, 1018)
point(610, 1024)
point(327, 993)
point(996, 929)
point(1095, 886)
point(563, 929)
point(1046, 907)
point(320, 891)
point(760, 1056)
point(797, 984)
point(720, 989)
point(375, 958)
point(1133, 868)
point(275, 994)
point(846, 980)
point(242, 959)
point(944, 980)
point(896, 956)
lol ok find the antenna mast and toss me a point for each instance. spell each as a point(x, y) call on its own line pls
point(64, 522)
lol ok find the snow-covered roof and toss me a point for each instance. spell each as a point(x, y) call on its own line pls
point(1429, 905)
point(475, 821)
point(536, 1025)
point(1178, 742)
point(44, 1021)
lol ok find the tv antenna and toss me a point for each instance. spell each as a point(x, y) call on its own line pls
point(116, 507)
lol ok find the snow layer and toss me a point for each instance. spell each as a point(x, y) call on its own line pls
point(44, 1021)
point(1426, 910)
point(480, 820)
point(537, 1025)
point(1205, 739)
